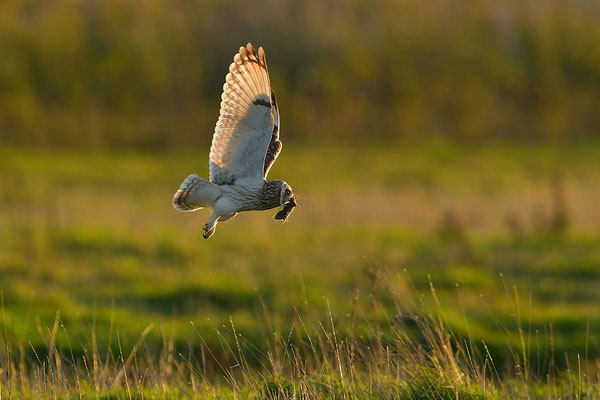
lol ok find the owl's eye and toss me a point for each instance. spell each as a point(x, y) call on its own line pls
point(287, 192)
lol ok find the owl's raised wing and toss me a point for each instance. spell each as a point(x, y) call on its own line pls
point(244, 130)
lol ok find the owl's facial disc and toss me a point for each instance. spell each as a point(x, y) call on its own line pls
point(287, 193)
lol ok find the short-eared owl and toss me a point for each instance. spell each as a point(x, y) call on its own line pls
point(244, 147)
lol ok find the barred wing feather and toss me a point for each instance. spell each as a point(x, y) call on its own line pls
point(244, 130)
point(275, 144)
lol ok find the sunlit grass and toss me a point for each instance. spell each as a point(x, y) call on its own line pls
point(374, 350)
point(93, 236)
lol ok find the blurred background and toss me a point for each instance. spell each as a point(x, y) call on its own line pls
point(451, 141)
point(146, 74)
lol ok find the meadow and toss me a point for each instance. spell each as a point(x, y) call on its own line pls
point(488, 254)
point(445, 155)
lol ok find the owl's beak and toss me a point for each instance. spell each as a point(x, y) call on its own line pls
point(293, 202)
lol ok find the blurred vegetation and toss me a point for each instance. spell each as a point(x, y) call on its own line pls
point(113, 73)
point(93, 237)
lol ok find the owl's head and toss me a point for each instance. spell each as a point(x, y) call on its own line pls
point(286, 194)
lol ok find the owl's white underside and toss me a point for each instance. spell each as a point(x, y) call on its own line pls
point(223, 199)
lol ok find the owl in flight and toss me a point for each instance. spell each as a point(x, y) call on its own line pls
point(244, 147)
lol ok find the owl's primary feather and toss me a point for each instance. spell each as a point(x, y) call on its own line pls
point(244, 147)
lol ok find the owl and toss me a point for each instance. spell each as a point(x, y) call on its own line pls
point(244, 146)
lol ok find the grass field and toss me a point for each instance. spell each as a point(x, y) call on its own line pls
point(94, 261)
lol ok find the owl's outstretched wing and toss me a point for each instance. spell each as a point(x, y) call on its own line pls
point(246, 122)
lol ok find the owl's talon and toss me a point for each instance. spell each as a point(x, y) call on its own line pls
point(208, 231)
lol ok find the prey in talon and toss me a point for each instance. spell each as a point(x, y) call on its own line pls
point(287, 209)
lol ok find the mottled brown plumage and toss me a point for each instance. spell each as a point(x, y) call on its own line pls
point(271, 194)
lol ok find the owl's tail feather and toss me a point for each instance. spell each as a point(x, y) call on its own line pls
point(195, 193)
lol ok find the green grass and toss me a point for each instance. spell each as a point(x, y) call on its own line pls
point(375, 351)
point(92, 255)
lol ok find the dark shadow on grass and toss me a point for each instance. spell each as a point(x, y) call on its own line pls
point(190, 300)
point(88, 242)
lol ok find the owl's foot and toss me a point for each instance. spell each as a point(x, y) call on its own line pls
point(208, 231)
